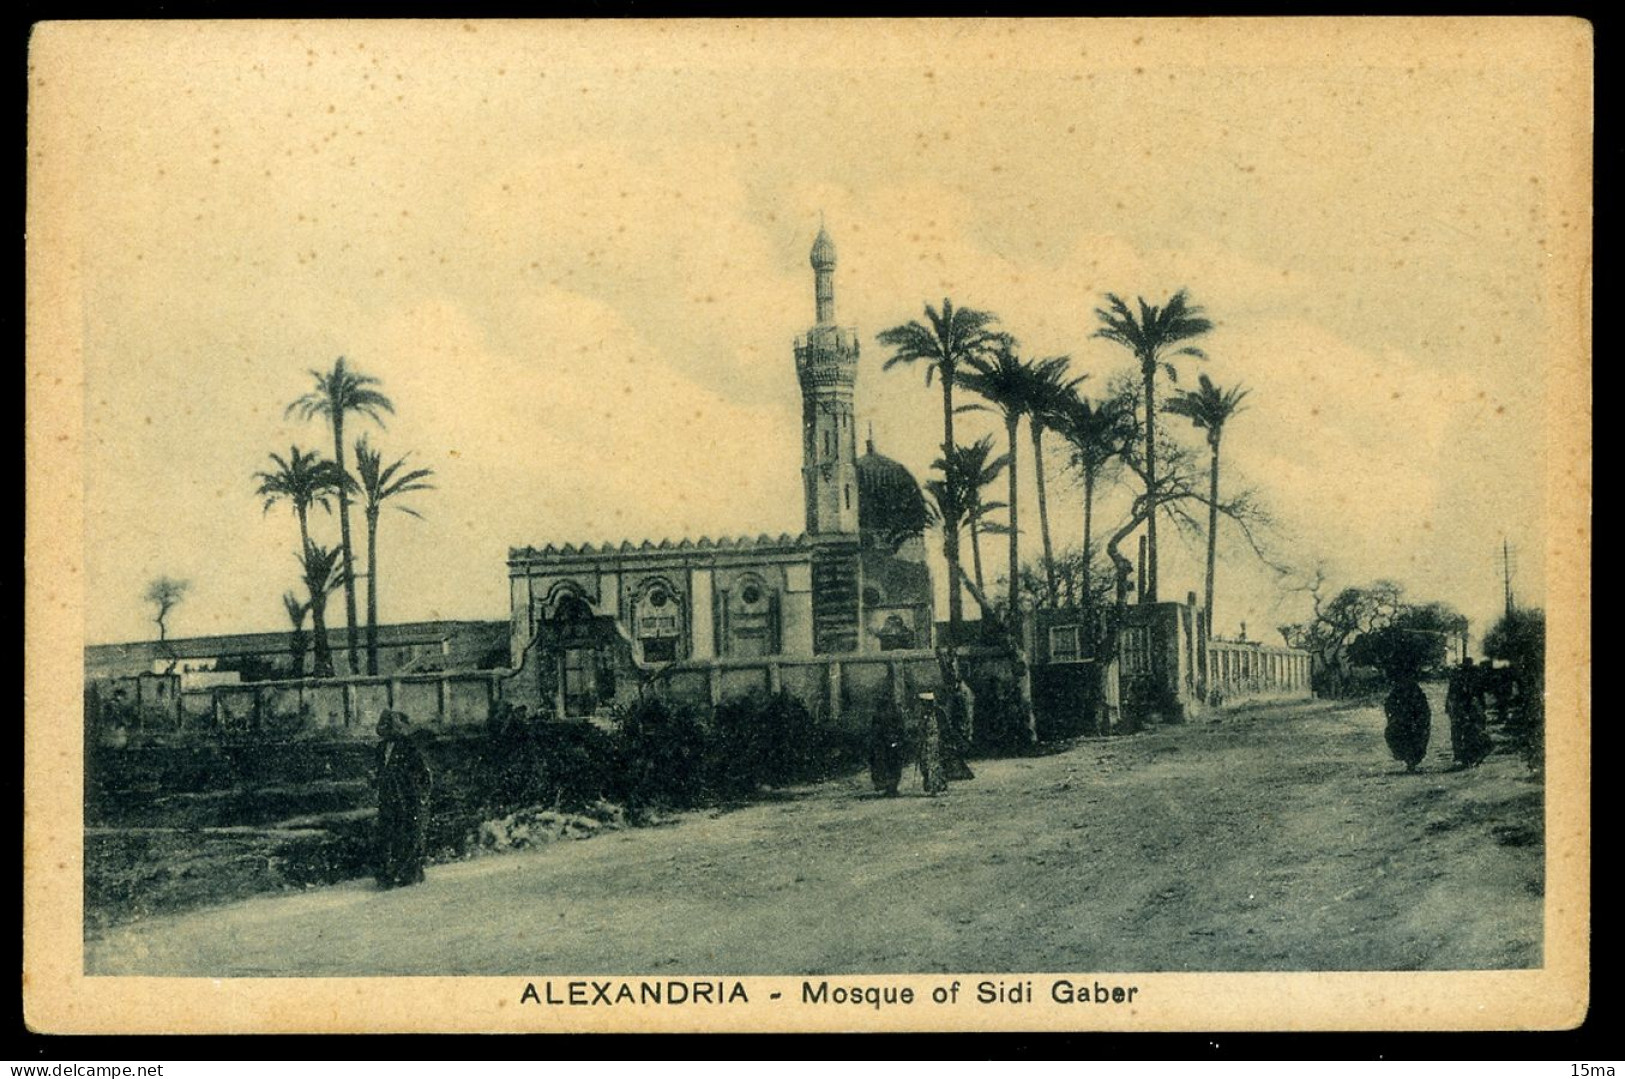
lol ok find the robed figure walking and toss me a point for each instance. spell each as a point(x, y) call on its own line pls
point(1410, 721)
point(1469, 722)
point(403, 802)
point(888, 751)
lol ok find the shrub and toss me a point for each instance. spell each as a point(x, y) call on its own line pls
point(577, 766)
point(661, 749)
point(762, 739)
point(1000, 725)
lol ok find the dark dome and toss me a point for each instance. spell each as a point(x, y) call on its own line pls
point(890, 504)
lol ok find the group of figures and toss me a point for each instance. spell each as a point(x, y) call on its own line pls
point(936, 738)
point(1410, 721)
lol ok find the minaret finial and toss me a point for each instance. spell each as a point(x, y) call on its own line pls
point(823, 264)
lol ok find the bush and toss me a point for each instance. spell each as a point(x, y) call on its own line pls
point(763, 740)
point(1519, 640)
point(576, 762)
point(661, 749)
point(1000, 725)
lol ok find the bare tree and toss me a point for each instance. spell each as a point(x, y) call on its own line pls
point(1337, 621)
point(165, 594)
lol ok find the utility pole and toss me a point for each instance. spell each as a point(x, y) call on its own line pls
point(1506, 572)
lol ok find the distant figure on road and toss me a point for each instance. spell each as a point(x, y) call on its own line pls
point(1410, 722)
point(956, 721)
point(887, 750)
point(957, 738)
point(403, 803)
point(932, 777)
point(1469, 725)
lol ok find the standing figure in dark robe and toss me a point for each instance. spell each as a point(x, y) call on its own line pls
point(887, 752)
point(1410, 722)
point(956, 715)
point(964, 724)
point(403, 802)
point(1469, 725)
point(932, 777)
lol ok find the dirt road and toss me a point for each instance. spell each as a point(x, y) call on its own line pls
point(1278, 838)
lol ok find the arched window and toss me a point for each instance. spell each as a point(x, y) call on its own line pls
point(657, 622)
point(752, 617)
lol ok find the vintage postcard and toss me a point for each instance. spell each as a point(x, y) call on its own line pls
point(788, 526)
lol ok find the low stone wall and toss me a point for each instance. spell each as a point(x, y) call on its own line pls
point(844, 692)
point(1244, 670)
point(157, 708)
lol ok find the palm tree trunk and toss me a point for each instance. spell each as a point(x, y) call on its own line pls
point(318, 622)
point(1088, 531)
point(1212, 529)
point(303, 513)
point(950, 536)
point(1148, 368)
point(372, 590)
point(976, 552)
point(1010, 423)
point(344, 539)
point(1021, 670)
point(1043, 506)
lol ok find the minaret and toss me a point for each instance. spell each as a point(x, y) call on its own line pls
point(827, 366)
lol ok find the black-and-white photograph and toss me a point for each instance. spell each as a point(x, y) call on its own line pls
point(684, 502)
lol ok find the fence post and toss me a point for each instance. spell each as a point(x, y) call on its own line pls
point(348, 697)
point(774, 682)
point(714, 684)
point(442, 697)
point(259, 710)
point(392, 691)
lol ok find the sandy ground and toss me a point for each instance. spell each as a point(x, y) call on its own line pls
point(1271, 839)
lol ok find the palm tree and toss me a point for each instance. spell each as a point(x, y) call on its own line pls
point(951, 500)
point(1151, 337)
point(944, 343)
point(299, 640)
point(323, 571)
point(1209, 407)
point(379, 483)
point(1048, 393)
point(1006, 381)
point(1097, 433)
point(302, 480)
point(337, 393)
point(973, 470)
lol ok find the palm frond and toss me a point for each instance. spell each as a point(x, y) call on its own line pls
point(379, 482)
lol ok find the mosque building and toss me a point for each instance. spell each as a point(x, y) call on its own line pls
point(591, 618)
point(840, 617)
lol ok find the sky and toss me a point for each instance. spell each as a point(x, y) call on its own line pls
point(575, 256)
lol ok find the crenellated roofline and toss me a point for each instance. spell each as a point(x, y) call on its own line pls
point(764, 544)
